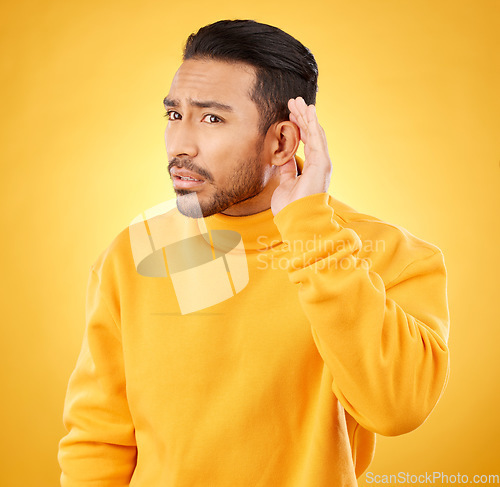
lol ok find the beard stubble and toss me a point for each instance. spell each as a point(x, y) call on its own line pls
point(245, 183)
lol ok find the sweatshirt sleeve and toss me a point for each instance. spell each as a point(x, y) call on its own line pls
point(99, 448)
point(384, 344)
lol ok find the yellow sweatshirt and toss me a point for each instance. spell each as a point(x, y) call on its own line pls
point(336, 330)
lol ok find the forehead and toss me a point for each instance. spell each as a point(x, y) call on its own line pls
point(227, 83)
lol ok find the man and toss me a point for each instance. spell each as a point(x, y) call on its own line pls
point(275, 360)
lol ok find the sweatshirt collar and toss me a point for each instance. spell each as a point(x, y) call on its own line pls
point(258, 231)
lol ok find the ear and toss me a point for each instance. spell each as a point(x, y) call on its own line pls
point(285, 138)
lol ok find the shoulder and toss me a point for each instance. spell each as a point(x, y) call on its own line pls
point(146, 234)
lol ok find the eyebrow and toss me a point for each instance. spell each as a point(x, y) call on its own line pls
point(171, 102)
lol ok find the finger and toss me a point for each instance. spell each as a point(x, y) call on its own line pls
point(306, 118)
point(300, 112)
point(296, 107)
point(303, 134)
point(292, 106)
point(317, 138)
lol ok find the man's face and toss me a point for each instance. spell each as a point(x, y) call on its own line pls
point(212, 136)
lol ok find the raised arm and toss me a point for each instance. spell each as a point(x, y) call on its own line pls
point(385, 343)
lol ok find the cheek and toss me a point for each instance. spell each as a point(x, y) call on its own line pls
point(223, 154)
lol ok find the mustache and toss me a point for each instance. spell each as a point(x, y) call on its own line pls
point(190, 166)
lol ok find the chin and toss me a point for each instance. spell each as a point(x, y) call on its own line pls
point(188, 203)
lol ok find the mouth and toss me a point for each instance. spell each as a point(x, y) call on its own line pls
point(184, 179)
point(185, 182)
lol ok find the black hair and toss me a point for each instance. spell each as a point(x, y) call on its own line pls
point(284, 67)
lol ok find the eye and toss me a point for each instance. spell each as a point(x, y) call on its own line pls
point(212, 118)
point(172, 115)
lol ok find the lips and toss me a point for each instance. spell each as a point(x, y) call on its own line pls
point(184, 174)
point(184, 179)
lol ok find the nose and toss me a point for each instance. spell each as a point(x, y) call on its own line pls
point(180, 140)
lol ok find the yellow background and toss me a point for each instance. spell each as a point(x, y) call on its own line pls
point(409, 99)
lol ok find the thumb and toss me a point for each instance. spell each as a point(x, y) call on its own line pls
point(288, 171)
